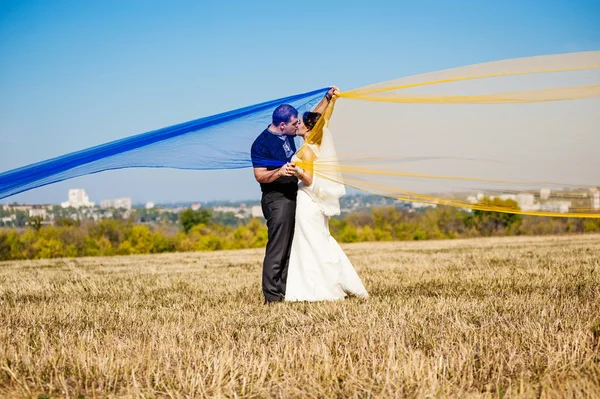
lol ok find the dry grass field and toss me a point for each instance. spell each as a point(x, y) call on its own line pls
point(499, 317)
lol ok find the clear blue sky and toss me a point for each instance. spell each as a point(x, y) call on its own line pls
point(79, 73)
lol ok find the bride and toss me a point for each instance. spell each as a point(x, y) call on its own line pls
point(319, 270)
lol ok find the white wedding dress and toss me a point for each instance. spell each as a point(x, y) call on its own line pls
point(319, 270)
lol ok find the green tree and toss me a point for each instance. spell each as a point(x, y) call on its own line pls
point(4, 247)
point(17, 248)
point(36, 222)
point(190, 218)
point(112, 230)
point(138, 240)
point(49, 248)
point(66, 222)
point(162, 243)
point(226, 219)
point(591, 226)
point(21, 219)
point(489, 223)
point(252, 235)
point(366, 234)
point(348, 233)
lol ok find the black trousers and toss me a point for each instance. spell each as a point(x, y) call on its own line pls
point(280, 212)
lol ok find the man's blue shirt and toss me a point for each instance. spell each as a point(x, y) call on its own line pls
point(272, 151)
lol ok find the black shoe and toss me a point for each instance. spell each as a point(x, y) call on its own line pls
point(271, 302)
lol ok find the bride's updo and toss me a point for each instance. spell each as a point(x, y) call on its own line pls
point(310, 119)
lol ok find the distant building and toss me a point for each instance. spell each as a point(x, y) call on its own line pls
point(149, 205)
point(480, 196)
point(472, 199)
point(171, 210)
point(18, 208)
point(238, 212)
point(196, 206)
point(117, 203)
point(421, 205)
point(38, 212)
point(9, 219)
point(505, 197)
point(556, 206)
point(545, 193)
point(77, 199)
point(527, 202)
point(525, 199)
point(226, 209)
point(256, 211)
point(594, 198)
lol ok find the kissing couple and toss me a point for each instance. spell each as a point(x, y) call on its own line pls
point(303, 262)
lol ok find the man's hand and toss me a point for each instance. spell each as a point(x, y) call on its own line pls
point(289, 169)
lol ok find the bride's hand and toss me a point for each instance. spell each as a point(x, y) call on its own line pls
point(333, 91)
point(298, 171)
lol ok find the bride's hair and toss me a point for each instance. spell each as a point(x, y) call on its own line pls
point(310, 119)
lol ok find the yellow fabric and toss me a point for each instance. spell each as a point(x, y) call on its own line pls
point(524, 129)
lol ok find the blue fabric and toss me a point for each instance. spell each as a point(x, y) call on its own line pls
point(220, 141)
point(268, 150)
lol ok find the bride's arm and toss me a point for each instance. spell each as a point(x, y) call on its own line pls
point(305, 174)
point(320, 108)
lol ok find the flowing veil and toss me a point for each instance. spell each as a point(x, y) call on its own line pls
point(517, 136)
point(328, 184)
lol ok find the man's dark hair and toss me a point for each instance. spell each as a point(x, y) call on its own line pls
point(284, 113)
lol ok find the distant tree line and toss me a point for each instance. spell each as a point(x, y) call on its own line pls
point(390, 224)
point(202, 231)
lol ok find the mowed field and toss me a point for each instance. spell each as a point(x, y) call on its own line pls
point(498, 317)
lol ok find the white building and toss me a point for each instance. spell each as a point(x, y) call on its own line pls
point(77, 199)
point(149, 205)
point(527, 202)
point(545, 193)
point(124, 203)
point(525, 199)
point(18, 208)
point(9, 219)
point(421, 205)
point(38, 212)
point(238, 212)
point(256, 211)
point(594, 198)
point(196, 206)
point(556, 206)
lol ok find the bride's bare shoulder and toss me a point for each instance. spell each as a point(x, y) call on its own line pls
point(306, 153)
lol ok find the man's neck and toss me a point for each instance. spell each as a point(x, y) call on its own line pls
point(274, 130)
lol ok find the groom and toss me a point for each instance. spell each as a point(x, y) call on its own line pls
point(279, 185)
